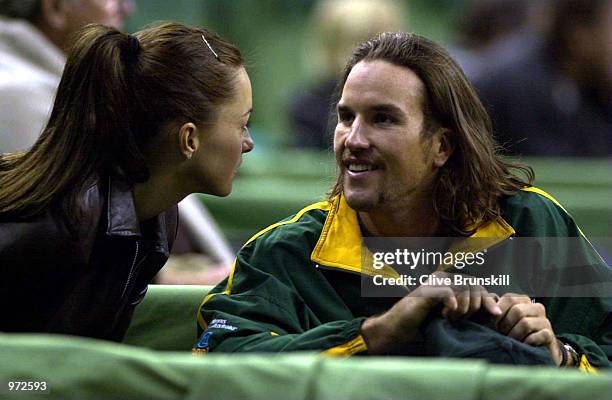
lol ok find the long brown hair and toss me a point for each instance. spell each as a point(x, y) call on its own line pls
point(469, 185)
point(116, 94)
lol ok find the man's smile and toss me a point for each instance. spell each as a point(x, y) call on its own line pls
point(360, 167)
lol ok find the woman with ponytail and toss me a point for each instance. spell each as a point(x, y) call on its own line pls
point(88, 215)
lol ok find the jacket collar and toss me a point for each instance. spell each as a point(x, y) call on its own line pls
point(340, 243)
point(123, 220)
point(120, 209)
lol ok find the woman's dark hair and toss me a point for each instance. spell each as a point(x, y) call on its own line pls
point(117, 93)
point(469, 185)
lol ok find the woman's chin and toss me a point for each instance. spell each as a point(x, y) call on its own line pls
point(222, 191)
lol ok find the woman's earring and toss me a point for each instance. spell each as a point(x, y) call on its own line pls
point(189, 155)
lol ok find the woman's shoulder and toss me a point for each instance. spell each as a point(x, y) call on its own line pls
point(55, 228)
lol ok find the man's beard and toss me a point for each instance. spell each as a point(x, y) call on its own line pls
point(363, 206)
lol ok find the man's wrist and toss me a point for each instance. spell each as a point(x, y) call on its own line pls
point(574, 358)
point(382, 336)
point(379, 336)
point(569, 356)
point(373, 332)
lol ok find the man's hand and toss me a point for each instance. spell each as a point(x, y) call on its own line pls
point(527, 322)
point(400, 325)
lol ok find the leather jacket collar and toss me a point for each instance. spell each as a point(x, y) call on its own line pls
point(122, 219)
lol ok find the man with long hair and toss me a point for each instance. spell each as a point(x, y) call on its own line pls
point(416, 159)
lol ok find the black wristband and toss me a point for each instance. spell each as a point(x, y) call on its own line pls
point(573, 354)
point(563, 354)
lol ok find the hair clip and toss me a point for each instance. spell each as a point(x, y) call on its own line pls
point(210, 47)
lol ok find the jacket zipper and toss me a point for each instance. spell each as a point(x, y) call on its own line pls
point(131, 274)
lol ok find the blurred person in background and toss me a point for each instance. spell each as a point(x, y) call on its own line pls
point(336, 26)
point(34, 38)
point(495, 32)
point(556, 99)
point(88, 214)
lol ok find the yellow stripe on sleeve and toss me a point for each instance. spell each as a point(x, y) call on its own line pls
point(586, 366)
point(349, 348)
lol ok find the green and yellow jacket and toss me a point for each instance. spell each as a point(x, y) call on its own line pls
point(296, 285)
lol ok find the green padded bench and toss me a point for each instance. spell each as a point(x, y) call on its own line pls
point(166, 319)
point(77, 368)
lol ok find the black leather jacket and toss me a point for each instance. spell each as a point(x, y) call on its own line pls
point(85, 284)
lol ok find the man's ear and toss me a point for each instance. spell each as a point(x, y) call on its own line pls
point(53, 13)
point(188, 139)
point(444, 146)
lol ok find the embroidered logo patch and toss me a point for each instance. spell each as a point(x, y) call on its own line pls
point(221, 324)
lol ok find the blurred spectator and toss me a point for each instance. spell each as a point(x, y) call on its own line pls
point(556, 100)
point(336, 26)
point(492, 33)
point(34, 35)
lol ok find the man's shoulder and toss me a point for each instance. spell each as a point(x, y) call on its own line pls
point(20, 73)
point(26, 98)
point(300, 228)
point(534, 212)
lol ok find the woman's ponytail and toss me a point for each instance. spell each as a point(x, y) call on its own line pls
point(117, 94)
point(89, 131)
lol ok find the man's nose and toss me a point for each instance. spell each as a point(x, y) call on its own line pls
point(357, 136)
